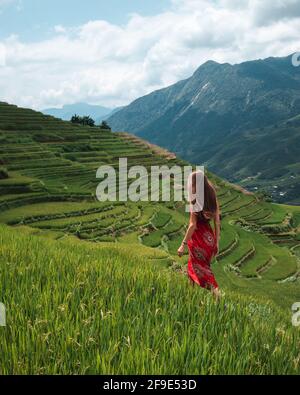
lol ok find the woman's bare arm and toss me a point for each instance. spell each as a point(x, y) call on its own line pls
point(191, 229)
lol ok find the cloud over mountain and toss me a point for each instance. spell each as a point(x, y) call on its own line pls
point(100, 62)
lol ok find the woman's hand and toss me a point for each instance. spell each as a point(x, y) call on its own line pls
point(180, 250)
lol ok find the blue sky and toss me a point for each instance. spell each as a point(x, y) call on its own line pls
point(33, 20)
point(110, 52)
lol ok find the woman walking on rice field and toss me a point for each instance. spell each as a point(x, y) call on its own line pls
point(201, 239)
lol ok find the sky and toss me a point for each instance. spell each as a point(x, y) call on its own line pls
point(56, 52)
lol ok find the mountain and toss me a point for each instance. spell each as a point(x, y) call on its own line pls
point(208, 117)
point(98, 113)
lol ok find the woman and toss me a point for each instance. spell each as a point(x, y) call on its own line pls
point(202, 241)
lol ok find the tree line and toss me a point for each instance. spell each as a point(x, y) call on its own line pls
point(86, 120)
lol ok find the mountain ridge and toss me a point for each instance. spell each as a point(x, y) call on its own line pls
point(195, 117)
point(65, 112)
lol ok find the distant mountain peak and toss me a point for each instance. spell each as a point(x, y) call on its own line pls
point(207, 66)
point(97, 112)
point(209, 63)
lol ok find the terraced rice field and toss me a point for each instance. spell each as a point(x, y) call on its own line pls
point(50, 189)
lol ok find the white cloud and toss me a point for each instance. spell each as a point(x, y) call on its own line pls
point(103, 63)
point(269, 11)
point(60, 29)
point(2, 55)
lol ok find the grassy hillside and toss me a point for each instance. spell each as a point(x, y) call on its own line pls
point(65, 317)
point(47, 191)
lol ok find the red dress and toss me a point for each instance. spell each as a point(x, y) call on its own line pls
point(202, 248)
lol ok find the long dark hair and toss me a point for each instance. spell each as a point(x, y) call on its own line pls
point(210, 205)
